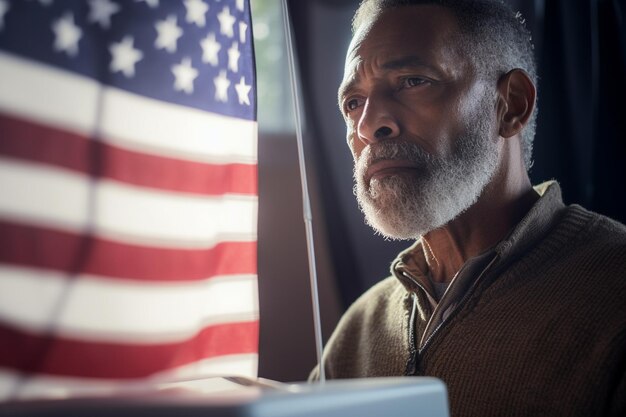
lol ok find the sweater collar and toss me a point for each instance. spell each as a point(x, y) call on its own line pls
point(410, 265)
point(537, 222)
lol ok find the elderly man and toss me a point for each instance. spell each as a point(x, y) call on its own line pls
point(516, 301)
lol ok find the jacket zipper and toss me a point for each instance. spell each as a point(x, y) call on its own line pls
point(411, 366)
point(458, 306)
point(415, 352)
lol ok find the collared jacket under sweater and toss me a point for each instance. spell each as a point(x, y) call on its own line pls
point(539, 331)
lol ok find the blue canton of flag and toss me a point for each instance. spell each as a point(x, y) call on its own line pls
point(198, 56)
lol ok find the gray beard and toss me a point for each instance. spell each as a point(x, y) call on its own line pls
point(407, 206)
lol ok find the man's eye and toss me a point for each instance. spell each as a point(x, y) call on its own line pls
point(413, 81)
point(352, 104)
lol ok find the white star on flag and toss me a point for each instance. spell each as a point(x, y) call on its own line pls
point(67, 34)
point(233, 57)
point(226, 22)
point(210, 49)
point(125, 56)
point(196, 9)
point(100, 11)
point(242, 91)
point(153, 4)
point(221, 87)
point(240, 5)
point(168, 34)
point(185, 74)
point(4, 8)
point(243, 27)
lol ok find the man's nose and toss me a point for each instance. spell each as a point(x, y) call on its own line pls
point(377, 121)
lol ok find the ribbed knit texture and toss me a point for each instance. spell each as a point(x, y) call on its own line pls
point(542, 334)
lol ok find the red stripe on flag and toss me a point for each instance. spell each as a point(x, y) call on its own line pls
point(52, 249)
point(55, 355)
point(31, 141)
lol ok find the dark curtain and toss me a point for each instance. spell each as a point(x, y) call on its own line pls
point(581, 126)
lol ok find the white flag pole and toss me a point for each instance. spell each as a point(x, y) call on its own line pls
point(306, 201)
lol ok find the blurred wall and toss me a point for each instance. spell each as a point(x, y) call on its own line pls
point(287, 345)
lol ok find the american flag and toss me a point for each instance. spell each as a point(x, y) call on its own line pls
point(128, 193)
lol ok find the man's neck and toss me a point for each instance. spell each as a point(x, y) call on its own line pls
point(499, 208)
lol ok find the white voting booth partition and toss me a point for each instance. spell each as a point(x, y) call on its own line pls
point(372, 397)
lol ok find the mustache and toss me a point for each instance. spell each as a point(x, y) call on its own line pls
point(392, 150)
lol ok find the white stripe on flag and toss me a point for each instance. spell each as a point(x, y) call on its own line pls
point(61, 198)
point(176, 131)
point(15, 386)
point(69, 101)
point(47, 94)
point(100, 309)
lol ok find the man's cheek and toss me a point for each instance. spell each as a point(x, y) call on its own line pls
point(355, 145)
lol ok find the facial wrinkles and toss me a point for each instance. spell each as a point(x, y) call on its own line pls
point(408, 206)
point(359, 72)
point(354, 60)
point(443, 50)
point(363, 73)
point(364, 76)
point(350, 77)
point(365, 59)
point(347, 87)
point(358, 79)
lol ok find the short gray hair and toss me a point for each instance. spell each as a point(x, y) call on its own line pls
point(496, 38)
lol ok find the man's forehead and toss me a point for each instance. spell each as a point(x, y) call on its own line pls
point(405, 27)
point(410, 35)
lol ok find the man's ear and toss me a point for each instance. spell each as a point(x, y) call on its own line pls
point(516, 102)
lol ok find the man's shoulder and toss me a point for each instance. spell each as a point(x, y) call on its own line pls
point(381, 292)
point(567, 226)
point(384, 299)
point(585, 247)
point(381, 310)
point(600, 233)
point(371, 337)
point(582, 261)
point(600, 219)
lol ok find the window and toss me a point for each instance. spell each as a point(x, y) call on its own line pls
point(275, 113)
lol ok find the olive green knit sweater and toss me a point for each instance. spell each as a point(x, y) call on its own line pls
point(542, 333)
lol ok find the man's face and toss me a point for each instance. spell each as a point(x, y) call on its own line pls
point(420, 122)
